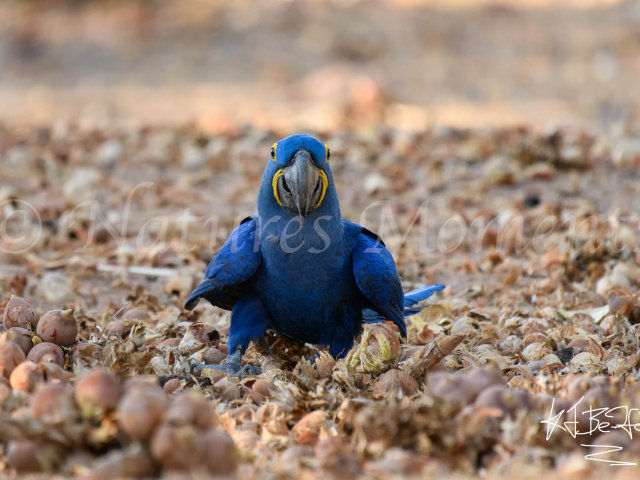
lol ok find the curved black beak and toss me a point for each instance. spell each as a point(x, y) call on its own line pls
point(301, 186)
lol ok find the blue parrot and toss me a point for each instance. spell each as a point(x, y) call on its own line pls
point(298, 268)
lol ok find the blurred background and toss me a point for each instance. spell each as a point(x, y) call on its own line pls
point(292, 65)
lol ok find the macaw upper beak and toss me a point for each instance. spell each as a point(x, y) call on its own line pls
point(301, 185)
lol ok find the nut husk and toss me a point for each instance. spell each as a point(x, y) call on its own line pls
point(378, 351)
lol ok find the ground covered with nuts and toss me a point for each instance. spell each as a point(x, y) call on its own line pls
point(106, 231)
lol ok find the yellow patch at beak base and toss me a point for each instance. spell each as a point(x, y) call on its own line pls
point(274, 184)
point(325, 183)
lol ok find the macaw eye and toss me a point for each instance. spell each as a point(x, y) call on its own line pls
point(273, 153)
point(328, 153)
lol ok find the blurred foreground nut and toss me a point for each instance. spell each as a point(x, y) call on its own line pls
point(22, 456)
point(20, 336)
point(246, 440)
point(5, 392)
point(177, 448)
point(452, 390)
point(26, 377)
point(273, 410)
point(244, 412)
point(307, 430)
point(141, 409)
point(59, 327)
point(11, 355)
point(613, 438)
point(580, 385)
point(190, 408)
point(53, 401)
point(621, 305)
point(171, 386)
point(97, 393)
point(479, 379)
point(544, 402)
point(139, 382)
point(220, 453)
point(506, 399)
point(398, 463)
point(262, 391)
point(46, 352)
point(227, 390)
point(131, 463)
point(395, 381)
point(333, 453)
point(54, 372)
point(213, 356)
point(20, 313)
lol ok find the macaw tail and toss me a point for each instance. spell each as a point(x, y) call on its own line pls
point(411, 300)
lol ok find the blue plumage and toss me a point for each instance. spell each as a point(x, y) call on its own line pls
point(300, 269)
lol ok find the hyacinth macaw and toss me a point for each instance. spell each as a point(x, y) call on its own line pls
point(298, 268)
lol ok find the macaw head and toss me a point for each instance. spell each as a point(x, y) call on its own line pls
point(298, 177)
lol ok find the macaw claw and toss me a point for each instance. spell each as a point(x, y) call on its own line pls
point(232, 367)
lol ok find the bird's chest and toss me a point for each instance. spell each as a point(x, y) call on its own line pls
point(304, 284)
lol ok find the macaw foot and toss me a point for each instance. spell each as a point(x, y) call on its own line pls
point(232, 367)
point(314, 358)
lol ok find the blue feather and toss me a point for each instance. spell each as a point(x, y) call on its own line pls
point(418, 295)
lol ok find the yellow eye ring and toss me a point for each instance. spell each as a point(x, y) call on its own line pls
point(274, 185)
point(273, 152)
point(328, 153)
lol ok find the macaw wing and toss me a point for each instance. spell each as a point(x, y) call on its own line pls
point(234, 264)
point(377, 278)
